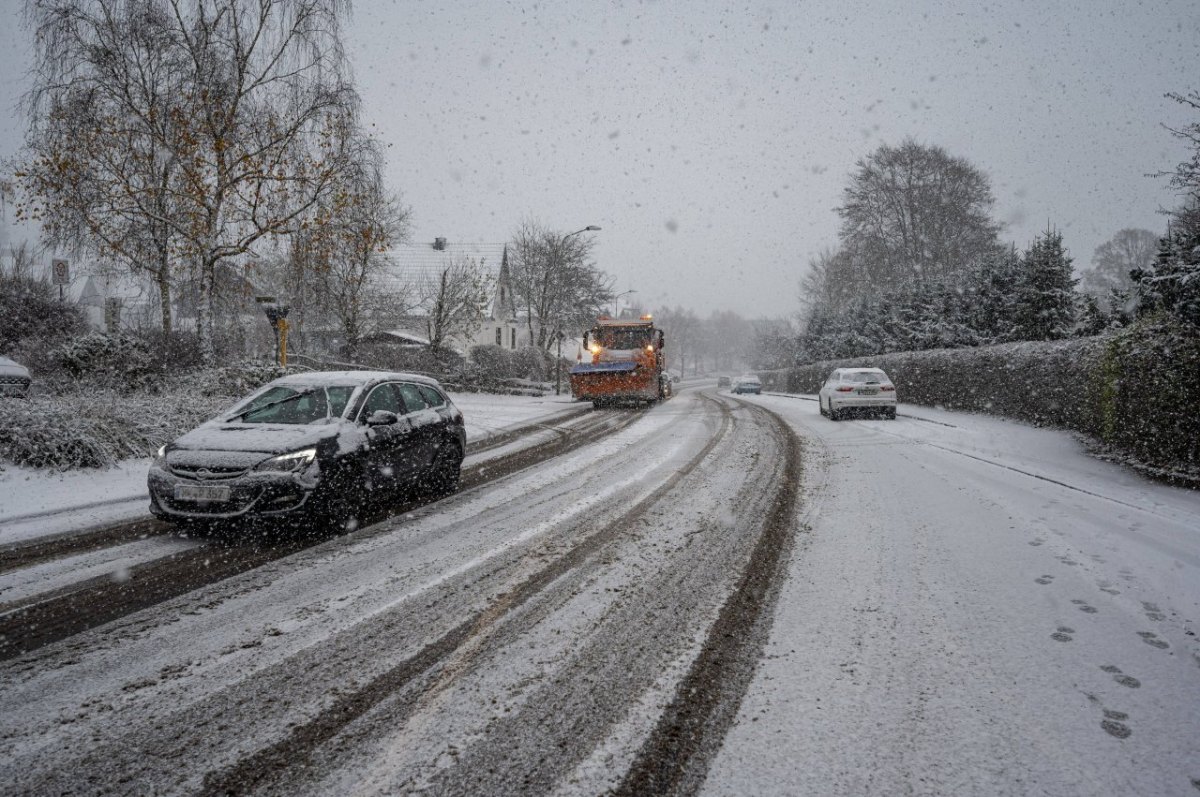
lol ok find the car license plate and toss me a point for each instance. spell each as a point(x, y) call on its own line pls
point(201, 492)
point(868, 391)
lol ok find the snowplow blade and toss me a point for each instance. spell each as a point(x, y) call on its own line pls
point(613, 382)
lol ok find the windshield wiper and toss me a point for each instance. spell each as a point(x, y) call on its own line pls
point(270, 404)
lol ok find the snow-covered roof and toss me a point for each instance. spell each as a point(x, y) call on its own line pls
point(410, 263)
point(413, 264)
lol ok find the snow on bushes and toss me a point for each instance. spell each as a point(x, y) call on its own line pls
point(95, 427)
point(1135, 390)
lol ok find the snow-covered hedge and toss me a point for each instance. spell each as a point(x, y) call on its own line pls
point(1137, 390)
point(95, 427)
point(98, 428)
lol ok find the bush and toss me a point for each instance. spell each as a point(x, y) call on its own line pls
point(409, 359)
point(30, 311)
point(117, 361)
point(496, 363)
point(98, 428)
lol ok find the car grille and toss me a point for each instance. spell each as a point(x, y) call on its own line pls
point(23, 381)
point(207, 472)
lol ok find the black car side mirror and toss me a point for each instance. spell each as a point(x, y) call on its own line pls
point(382, 418)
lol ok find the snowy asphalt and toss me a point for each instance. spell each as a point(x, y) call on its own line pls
point(722, 596)
point(974, 607)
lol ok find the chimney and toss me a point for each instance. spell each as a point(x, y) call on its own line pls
point(439, 244)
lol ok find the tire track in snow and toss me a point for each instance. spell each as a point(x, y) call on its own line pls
point(96, 601)
point(675, 759)
point(291, 753)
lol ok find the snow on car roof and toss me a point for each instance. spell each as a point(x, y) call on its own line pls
point(326, 378)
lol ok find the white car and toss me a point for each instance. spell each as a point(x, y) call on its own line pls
point(14, 378)
point(859, 391)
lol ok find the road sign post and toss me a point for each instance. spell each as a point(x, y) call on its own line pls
point(61, 275)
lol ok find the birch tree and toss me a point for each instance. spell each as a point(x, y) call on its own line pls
point(97, 175)
point(248, 126)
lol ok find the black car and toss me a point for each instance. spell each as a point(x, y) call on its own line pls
point(318, 445)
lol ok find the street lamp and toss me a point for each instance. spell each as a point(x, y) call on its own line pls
point(558, 359)
point(617, 298)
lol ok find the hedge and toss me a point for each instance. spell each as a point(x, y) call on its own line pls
point(1136, 391)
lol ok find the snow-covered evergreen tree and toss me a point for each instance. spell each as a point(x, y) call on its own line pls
point(1172, 282)
point(1047, 292)
point(992, 297)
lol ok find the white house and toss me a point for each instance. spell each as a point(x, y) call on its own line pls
point(418, 263)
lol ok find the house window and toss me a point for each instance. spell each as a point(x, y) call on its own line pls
point(514, 337)
point(499, 340)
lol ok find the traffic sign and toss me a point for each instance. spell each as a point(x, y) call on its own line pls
point(61, 271)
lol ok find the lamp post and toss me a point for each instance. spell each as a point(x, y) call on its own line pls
point(559, 334)
point(617, 298)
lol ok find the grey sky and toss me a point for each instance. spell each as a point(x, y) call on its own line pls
point(711, 141)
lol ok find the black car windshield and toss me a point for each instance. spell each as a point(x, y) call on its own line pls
point(297, 405)
point(611, 338)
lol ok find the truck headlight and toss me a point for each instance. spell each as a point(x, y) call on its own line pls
point(287, 463)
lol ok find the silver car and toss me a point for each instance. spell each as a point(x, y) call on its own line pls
point(857, 391)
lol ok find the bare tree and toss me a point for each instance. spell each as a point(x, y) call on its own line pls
point(345, 246)
point(257, 124)
point(681, 328)
point(454, 302)
point(1115, 259)
point(97, 175)
point(913, 213)
point(558, 288)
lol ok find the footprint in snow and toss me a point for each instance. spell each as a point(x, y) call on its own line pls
point(1120, 677)
point(1152, 611)
point(1063, 634)
point(1113, 724)
point(1044, 580)
point(1151, 639)
point(1084, 607)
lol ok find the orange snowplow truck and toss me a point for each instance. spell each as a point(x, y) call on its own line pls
point(626, 363)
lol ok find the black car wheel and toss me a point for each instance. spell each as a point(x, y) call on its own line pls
point(446, 472)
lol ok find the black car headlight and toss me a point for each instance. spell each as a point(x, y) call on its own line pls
point(289, 463)
point(160, 457)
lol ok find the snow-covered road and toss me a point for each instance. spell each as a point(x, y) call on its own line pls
point(941, 604)
point(974, 607)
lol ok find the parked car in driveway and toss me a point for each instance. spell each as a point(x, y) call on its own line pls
point(747, 384)
point(318, 445)
point(857, 391)
point(14, 378)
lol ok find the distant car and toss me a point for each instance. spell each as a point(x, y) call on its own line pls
point(723, 381)
point(857, 391)
point(747, 384)
point(315, 445)
point(14, 378)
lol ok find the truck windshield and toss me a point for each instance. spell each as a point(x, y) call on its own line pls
point(622, 338)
